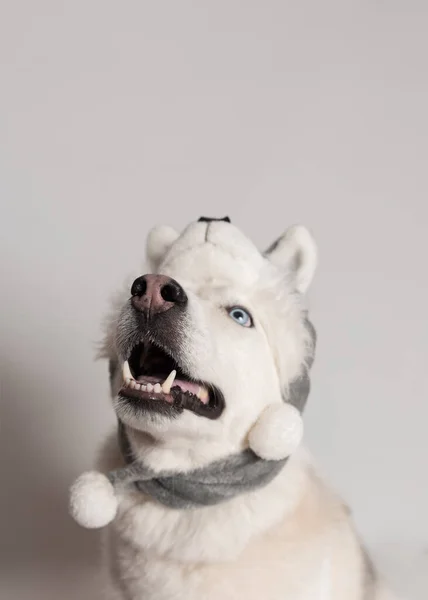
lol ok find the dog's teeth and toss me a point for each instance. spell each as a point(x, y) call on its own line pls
point(149, 387)
point(157, 388)
point(143, 388)
point(203, 394)
point(138, 386)
point(167, 384)
point(126, 372)
point(132, 384)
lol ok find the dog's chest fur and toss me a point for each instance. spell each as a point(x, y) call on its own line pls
point(239, 550)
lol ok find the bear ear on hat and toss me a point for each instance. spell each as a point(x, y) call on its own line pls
point(159, 241)
point(296, 253)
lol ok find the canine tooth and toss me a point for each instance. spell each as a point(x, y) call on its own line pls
point(149, 387)
point(203, 394)
point(126, 372)
point(157, 388)
point(167, 384)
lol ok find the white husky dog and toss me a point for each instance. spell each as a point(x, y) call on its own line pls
point(209, 355)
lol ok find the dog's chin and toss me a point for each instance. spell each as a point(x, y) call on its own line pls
point(156, 387)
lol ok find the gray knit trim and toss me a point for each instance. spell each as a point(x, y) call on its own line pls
point(216, 483)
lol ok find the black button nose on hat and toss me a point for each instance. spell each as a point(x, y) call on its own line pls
point(209, 219)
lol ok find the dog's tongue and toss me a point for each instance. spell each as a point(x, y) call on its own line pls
point(186, 386)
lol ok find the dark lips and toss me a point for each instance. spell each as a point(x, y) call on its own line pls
point(146, 374)
point(174, 403)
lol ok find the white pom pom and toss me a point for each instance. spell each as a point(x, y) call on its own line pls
point(93, 502)
point(277, 432)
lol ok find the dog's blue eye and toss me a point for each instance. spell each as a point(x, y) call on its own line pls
point(241, 316)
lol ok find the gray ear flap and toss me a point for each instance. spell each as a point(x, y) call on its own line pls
point(296, 253)
point(159, 241)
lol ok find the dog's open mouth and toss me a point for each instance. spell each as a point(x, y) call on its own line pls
point(153, 380)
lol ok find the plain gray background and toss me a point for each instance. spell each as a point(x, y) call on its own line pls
point(115, 116)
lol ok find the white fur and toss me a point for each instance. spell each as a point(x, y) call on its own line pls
point(293, 539)
point(228, 270)
point(93, 501)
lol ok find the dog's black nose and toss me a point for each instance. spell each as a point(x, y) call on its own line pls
point(152, 294)
point(209, 219)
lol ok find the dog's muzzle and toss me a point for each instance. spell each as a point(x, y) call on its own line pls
point(151, 345)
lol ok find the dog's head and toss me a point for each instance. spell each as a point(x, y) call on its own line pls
point(213, 335)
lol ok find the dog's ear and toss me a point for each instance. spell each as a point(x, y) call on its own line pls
point(296, 253)
point(159, 241)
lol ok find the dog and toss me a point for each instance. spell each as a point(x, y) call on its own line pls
point(202, 348)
